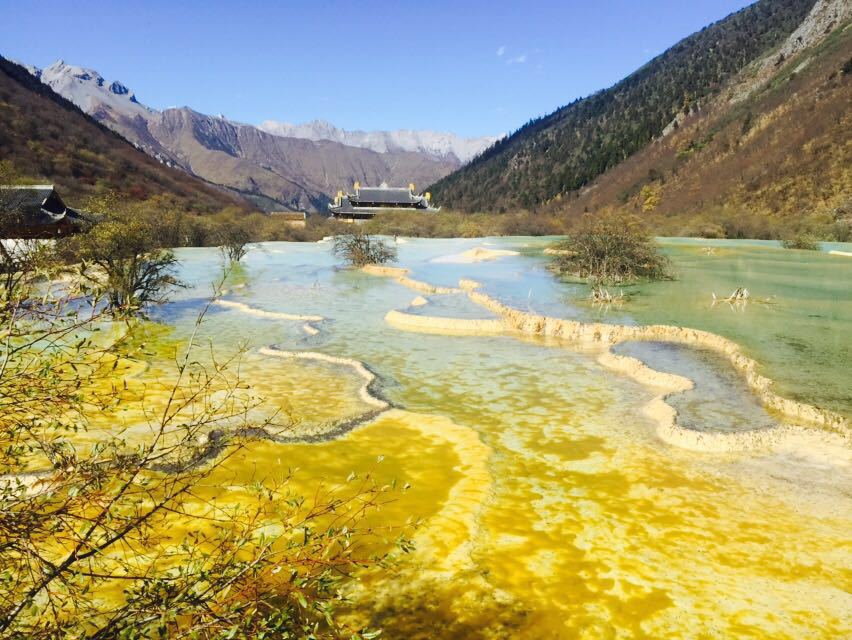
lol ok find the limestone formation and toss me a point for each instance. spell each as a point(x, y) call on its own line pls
point(601, 337)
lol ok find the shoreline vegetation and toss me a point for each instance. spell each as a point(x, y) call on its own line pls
point(105, 527)
point(258, 227)
point(172, 225)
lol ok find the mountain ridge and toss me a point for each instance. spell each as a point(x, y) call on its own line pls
point(436, 143)
point(771, 154)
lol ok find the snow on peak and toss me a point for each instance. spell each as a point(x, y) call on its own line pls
point(88, 90)
point(31, 68)
point(437, 144)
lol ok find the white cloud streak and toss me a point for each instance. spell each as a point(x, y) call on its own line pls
point(501, 51)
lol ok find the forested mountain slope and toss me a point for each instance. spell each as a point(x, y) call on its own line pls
point(558, 154)
point(769, 156)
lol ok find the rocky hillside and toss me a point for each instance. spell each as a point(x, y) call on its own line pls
point(45, 137)
point(553, 157)
point(302, 169)
point(773, 151)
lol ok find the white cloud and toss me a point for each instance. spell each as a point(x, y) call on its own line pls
point(521, 59)
point(501, 50)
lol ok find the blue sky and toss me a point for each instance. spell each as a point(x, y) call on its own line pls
point(472, 68)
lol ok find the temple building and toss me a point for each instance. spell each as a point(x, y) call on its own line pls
point(37, 211)
point(366, 202)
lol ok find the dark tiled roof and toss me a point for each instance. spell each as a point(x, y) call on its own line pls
point(344, 207)
point(369, 209)
point(28, 199)
point(384, 195)
point(36, 206)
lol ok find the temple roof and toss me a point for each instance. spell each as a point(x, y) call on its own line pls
point(26, 197)
point(36, 205)
point(367, 201)
point(388, 195)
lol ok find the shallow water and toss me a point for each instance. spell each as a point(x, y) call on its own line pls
point(720, 399)
point(551, 508)
point(450, 306)
point(797, 326)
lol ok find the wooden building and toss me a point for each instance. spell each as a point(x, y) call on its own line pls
point(37, 211)
point(366, 202)
point(296, 219)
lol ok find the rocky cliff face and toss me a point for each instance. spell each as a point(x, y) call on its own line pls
point(300, 171)
point(824, 18)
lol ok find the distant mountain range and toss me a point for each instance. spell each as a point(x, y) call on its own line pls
point(750, 115)
point(276, 165)
point(441, 146)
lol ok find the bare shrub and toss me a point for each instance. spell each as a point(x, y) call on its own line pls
point(120, 260)
point(610, 248)
point(234, 241)
point(359, 249)
point(801, 241)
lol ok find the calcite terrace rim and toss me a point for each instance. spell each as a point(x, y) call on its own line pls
point(603, 336)
point(370, 393)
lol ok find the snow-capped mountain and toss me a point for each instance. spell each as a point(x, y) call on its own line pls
point(438, 144)
point(88, 90)
point(296, 171)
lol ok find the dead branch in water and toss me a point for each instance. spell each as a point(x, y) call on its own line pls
point(739, 299)
point(601, 295)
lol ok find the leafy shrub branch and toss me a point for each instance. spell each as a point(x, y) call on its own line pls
point(108, 533)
